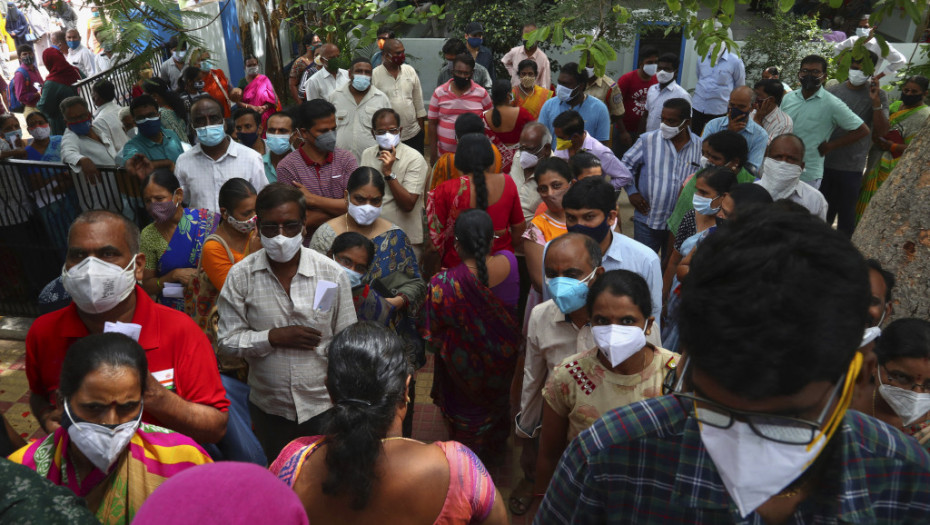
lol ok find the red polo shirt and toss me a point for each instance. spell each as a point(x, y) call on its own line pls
point(171, 339)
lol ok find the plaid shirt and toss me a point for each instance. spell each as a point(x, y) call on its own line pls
point(646, 463)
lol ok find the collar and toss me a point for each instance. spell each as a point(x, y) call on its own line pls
point(304, 266)
point(614, 251)
point(230, 150)
point(669, 86)
point(817, 94)
point(589, 143)
point(70, 325)
point(337, 75)
point(314, 164)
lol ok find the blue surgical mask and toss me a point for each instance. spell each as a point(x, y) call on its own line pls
point(211, 135)
point(569, 294)
point(565, 94)
point(206, 65)
point(13, 136)
point(361, 82)
point(278, 144)
point(80, 128)
point(355, 278)
point(703, 205)
point(149, 127)
point(74, 44)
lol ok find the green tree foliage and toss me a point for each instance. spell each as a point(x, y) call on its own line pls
point(783, 44)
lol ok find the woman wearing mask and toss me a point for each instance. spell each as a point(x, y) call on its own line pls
point(504, 122)
point(171, 108)
point(907, 118)
point(191, 87)
point(172, 243)
point(256, 92)
point(362, 470)
point(479, 188)
point(214, 80)
point(622, 369)
point(472, 329)
point(102, 451)
point(553, 178)
point(57, 87)
point(527, 94)
point(52, 189)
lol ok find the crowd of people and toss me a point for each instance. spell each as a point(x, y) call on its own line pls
point(302, 261)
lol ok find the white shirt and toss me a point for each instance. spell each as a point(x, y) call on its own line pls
point(105, 63)
point(353, 121)
point(656, 97)
point(323, 83)
point(895, 59)
point(170, 73)
point(107, 117)
point(412, 172)
point(405, 94)
point(83, 59)
point(526, 188)
point(202, 177)
point(75, 147)
point(807, 196)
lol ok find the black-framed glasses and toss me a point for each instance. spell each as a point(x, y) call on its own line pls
point(289, 229)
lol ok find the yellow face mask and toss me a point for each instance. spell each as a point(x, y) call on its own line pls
point(562, 144)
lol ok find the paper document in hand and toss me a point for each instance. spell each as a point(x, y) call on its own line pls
point(325, 295)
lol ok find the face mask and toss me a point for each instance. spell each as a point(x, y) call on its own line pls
point(13, 136)
point(569, 294)
point(242, 226)
point(28, 61)
point(399, 59)
point(810, 82)
point(565, 94)
point(527, 82)
point(149, 127)
point(461, 83)
point(247, 139)
point(650, 69)
point(387, 141)
point(719, 222)
point(702, 205)
point(100, 444)
point(907, 404)
point(474, 41)
point(326, 142)
point(199, 85)
point(74, 44)
point(617, 342)
point(664, 77)
point(735, 113)
point(97, 286)
point(41, 132)
point(355, 278)
point(365, 214)
point(178, 55)
point(361, 82)
point(81, 128)
point(251, 70)
point(589, 71)
point(912, 100)
point(857, 77)
point(562, 144)
point(162, 211)
point(862, 32)
point(318, 60)
point(278, 144)
point(211, 135)
point(282, 248)
point(206, 65)
point(597, 233)
point(705, 162)
point(779, 178)
point(528, 160)
point(669, 132)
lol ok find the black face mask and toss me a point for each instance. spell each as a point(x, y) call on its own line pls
point(810, 82)
point(461, 83)
point(911, 100)
point(720, 221)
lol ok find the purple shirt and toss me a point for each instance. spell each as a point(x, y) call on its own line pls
point(619, 174)
point(25, 89)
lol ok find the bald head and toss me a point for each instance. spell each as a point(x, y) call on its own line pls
point(787, 148)
point(393, 45)
point(534, 136)
point(572, 255)
point(329, 51)
point(741, 99)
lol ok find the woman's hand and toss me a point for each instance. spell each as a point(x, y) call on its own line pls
point(396, 302)
point(180, 275)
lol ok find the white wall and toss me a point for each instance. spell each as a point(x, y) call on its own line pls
point(212, 34)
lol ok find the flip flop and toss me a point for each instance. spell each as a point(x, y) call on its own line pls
point(521, 498)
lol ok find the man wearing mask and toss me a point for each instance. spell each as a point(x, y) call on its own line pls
point(84, 146)
point(524, 52)
point(248, 125)
point(172, 67)
point(330, 77)
point(570, 95)
point(154, 146)
point(535, 145)
point(634, 86)
point(303, 68)
point(103, 263)
point(215, 159)
point(816, 113)
point(453, 48)
point(474, 40)
point(385, 33)
point(25, 79)
point(738, 120)
point(715, 82)
point(895, 59)
point(740, 442)
point(843, 167)
point(665, 88)
point(664, 158)
point(400, 82)
point(318, 168)
point(279, 309)
point(449, 100)
point(781, 175)
point(279, 142)
point(355, 104)
point(78, 55)
point(571, 138)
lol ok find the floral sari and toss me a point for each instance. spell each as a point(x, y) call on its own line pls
point(154, 455)
point(475, 338)
point(908, 122)
point(260, 92)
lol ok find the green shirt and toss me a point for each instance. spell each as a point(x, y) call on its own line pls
point(27, 497)
point(169, 149)
point(270, 172)
point(52, 95)
point(687, 193)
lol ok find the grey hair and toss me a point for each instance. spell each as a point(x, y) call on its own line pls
point(593, 248)
point(92, 216)
point(72, 101)
point(547, 135)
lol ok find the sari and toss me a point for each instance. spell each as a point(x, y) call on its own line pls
point(475, 337)
point(445, 169)
point(260, 92)
point(154, 454)
point(908, 122)
point(532, 102)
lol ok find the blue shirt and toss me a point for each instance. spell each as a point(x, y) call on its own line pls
point(755, 135)
point(662, 171)
point(170, 148)
point(712, 92)
point(625, 253)
point(593, 111)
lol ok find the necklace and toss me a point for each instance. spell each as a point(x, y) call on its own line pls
point(525, 92)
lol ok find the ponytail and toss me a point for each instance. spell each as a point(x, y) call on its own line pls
point(474, 231)
point(481, 190)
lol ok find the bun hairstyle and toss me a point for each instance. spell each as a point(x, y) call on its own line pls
point(473, 156)
point(366, 377)
point(474, 232)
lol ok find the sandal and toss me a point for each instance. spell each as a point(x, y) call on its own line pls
point(521, 498)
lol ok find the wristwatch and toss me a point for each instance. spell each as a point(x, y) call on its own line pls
point(390, 177)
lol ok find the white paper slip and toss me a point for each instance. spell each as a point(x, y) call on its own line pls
point(325, 295)
point(173, 291)
point(131, 329)
point(165, 377)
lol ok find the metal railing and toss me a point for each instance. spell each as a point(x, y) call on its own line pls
point(38, 202)
point(123, 78)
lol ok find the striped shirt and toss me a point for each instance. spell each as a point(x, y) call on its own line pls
point(445, 106)
point(775, 123)
point(662, 171)
point(326, 180)
point(646, 463)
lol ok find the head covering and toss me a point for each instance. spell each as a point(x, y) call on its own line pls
point(225, 492)
point(473, 27)
point(59, 70)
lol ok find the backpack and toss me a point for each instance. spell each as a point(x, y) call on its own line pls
point(15, 105)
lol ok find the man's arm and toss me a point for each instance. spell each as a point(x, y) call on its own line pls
point(202, 423)
point(529, 418)
point(620, 175)
point(433, 137)
point(49, 417)
point(896, 60)
point(880, 125)
point(845, 140)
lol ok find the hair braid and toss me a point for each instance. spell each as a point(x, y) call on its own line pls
point(481, 190)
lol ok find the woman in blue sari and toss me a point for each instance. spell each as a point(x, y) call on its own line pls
point(172, 244)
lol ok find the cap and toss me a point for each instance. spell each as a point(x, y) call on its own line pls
point(474, 27)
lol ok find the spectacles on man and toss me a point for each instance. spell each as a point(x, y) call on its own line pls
point(392, 131)
point(289, 229)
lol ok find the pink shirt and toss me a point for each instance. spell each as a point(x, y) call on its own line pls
point(445, 106)
point(518, 54)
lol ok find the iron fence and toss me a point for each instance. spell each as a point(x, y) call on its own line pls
point(123, 78)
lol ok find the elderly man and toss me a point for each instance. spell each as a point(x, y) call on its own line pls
point(355, 104)
point(449, 100)
point(535, 145)
point(84, 146)
point(279, 309)
point(78, 55)
point(767, 111)
point(330, 77)
point(103, 263)
point(781, 175)
point(216, 158)
point(738, 120)
point(400, 82)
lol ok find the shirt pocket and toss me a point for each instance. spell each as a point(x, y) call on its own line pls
point(341, 117)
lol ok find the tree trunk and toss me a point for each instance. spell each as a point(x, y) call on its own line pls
point(895, 229)
point(273, 65)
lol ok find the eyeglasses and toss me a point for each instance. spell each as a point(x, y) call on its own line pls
point(526, 149)
point(905, 381)
point(760, 100)
point(392, 131)
point(289, 229)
